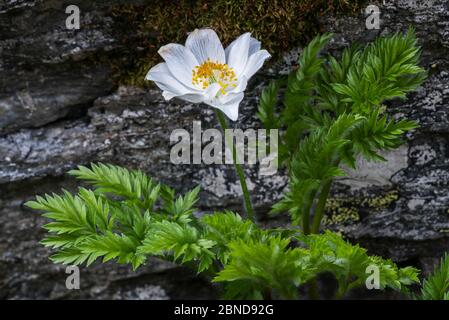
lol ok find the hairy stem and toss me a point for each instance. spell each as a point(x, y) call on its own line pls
point(321, 204)
point(306, 214)
point(238, 169)
point(341, 292)
point(305, 222)
point(343, 287)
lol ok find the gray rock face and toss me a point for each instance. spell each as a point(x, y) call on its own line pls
point(59, 109)
point(38, 51)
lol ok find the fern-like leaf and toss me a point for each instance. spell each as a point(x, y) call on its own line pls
point(132, 185)
point(436, 286)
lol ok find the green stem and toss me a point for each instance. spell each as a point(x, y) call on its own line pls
point(305, 222)
point(354, 284)
point(306, 214)
point(320, 206)
point(312, 288)
point(345, 287)
point(341, 292)
point(238, 169)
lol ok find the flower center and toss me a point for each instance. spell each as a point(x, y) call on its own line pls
point(210, 72)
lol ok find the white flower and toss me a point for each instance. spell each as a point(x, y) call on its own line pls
point(202, 71)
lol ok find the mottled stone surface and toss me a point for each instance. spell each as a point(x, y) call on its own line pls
point(59, 109)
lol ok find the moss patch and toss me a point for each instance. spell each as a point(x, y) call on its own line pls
point(279, 24)
point(343, 211)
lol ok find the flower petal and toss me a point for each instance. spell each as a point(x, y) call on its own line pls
point(191, 97)
point(254, 46)
point(211, 91)
point(237, 53)
point(195, 97)
point(241, 85)
point(167, 94)
point(231, 107)
point(255, 62)
point(204, 44)
point(180, 61)
point(165, 81)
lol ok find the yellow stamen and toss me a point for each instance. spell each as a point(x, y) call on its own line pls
point(214, 72)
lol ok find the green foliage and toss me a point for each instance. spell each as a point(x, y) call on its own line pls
point(436, 286)
point(81, 229)
point(268, 265)
point(333, 112)
point(264, 265)
point(385, 69)
point(180, 208)
point(134, 186)
point(320, 150)
point(267, 105)
point(223, 228)
point(377, 132)
point(110, 224)
point(299, 94)
point(180, 241)
point(118, 219)
point(348, 263)
point(297, 198)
